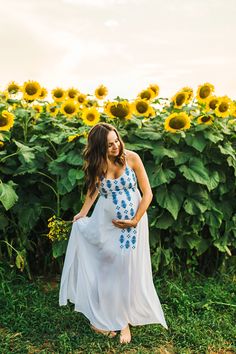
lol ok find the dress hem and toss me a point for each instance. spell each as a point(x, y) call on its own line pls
point(115, 329)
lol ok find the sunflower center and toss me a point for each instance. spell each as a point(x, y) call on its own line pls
point(90, 117)
point(119, 110)
point(177, 122)
point(52, 109)
point(69, 109)
point(180, 99)
point(145, 95)
point(204, 92)
point(31, 89)
point(223, 107)
point(212, 104)
point(3, 121)
point(13, 88)
point(72, 93)
point(101, 91)
point(142, 107)
point(206, 119)
point(58, 93)
point(80, 99)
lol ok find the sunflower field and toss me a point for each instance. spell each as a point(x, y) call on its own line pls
point(187, 144)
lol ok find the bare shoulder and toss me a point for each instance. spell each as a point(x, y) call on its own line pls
point(133, 158)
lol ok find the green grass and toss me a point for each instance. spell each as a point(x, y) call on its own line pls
point(200, 313)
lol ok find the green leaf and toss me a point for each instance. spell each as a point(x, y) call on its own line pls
point(26, 153)
point(182, 157)
point(159, 175)
point(59, 248)
point(164, 221)
point(214, 217)
point(232, 163)
point(170, 198)
point(197, 201)
point(213, 136)
point(197, 141)
point(227, 149)
point(202, 246)
point(8, 196)
point(74, 175)
point(20, 263)
point(148, 134)
point(195, 171)
point(29, 215)
point(73, 158)
point(160, 151)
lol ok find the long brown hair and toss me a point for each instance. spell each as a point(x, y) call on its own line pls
point(95, 154)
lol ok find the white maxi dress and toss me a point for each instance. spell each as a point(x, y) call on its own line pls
point(107, 271)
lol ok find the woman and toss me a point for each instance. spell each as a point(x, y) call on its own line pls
point(107, 270)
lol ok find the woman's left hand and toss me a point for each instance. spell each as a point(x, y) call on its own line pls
point(122, 224)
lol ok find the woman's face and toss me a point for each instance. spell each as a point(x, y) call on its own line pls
point(113, 144)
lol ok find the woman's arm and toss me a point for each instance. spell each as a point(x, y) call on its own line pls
point(144, 185)
point(87, 205)
point(143, 181)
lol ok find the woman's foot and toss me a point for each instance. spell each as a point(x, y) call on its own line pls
point(125, 335)
point(109, 334)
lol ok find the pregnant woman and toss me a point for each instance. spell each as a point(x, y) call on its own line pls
point(107, 271)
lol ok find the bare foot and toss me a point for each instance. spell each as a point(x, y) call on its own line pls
point(125, 335)
point(109, 334)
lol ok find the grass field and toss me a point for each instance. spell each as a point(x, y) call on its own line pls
point(200, 313)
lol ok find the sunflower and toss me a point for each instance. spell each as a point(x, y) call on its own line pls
point(224, 107)
point(101, 92)
point(31, 90)
point(205, 119)
point(4, 95)
point(72, 93)
point(189, 92)
point(43, 93)
point(155, 89)
point(204, 91)
point(122, 109)
point(13, 87)
point(90, 116)
point(1, 144)
point(91, 103)
point(52, 109)
point(37, 108)
point(233, 111)
point(211, 103)
point(73, 137)
point(179, 99)
point(6, 120)
point(69, 108)
point(58, 94)
point(176, 122)
point(147, 94)
point(81, 98)
point(141, 108)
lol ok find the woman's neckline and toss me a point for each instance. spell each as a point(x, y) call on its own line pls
point(114, 179)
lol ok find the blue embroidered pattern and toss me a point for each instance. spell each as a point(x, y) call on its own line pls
point(124, 185)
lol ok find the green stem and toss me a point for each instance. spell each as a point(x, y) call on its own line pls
point(44, 174)
point(10, 246)
point(46, 207)
point(6, 157)
point(49, 186)
point(58, 199)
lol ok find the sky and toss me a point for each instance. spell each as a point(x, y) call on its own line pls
point(124, 44)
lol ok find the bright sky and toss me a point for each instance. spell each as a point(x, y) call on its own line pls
point(123, 44)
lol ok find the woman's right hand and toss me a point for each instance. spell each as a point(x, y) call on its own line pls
point(78, 216)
